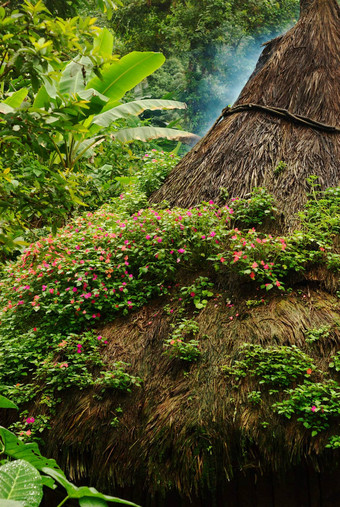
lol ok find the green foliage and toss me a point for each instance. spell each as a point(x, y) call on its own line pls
point(321, 216)
point(334, 442)
point(274, 365)
point(34, 44)
point(313, 335)
point(21, 482)
point(254, 397)
point(335, 362)
point(280, 168)
point(211, 46)
point(314, 404)
point(253, 211)
point(182, 343)
point(118, 378)
point(156, 167)
point(198, 292)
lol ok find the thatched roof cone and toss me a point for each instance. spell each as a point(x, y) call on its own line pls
point(298, 72)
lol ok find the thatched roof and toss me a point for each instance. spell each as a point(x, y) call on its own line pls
point(191, 428)
point(298, 72)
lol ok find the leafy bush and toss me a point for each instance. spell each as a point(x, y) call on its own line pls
point(118, 378)
point(313, 404)
point(274, 365)
point(256, 209)
point(315, 334)
point(180, 344)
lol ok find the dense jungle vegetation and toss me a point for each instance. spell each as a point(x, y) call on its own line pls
point(98, 102)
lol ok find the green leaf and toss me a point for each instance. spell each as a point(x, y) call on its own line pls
point(93, 96)
point(75, 492)
point(6, 403)
point(20, 481)
point(42, 99)
point(11, 503)
point(92, 502)
point(5, 108)
point(125, 74)
point(134, 108)
point(17, 98)
point(30, 452)
point(146, 133)
point(103, 44)
point(72, 78)
point(48, 482)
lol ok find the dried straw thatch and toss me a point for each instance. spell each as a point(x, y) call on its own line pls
point(187, 429)
point(299, 73)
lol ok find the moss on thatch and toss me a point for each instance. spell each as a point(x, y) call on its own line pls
point(299, 72)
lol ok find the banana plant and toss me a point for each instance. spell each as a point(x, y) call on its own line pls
point(77, 110)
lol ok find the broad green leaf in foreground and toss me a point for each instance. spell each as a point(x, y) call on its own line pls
point(6, 403)
point(21, 482)
point(92, 502)
point(83, 492)
point(11, 503)
point(15, 448)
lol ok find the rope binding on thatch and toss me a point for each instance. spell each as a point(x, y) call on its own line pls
point(277, 111)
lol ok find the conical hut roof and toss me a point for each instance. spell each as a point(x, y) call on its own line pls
point(298, 74)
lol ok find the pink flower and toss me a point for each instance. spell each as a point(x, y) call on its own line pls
point(28, 432)
point(44, 287)
point(222, 259)
point(203, 237)
point(313, 408)
point(181, 250)
point(74, 289)
point(212, 234)
point(30, 420)
point(51, 291)
point(192, 294)
point(159, 240)
point(63, 365)
point(277, 283)
point(148, 236)
point(254, 265)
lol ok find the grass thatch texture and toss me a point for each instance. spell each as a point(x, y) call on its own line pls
point(300, 72)
point(189, 427)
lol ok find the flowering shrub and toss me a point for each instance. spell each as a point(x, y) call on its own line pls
point(313, 404)
point(114, 260)
point(256, 209)
point(198, 292)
